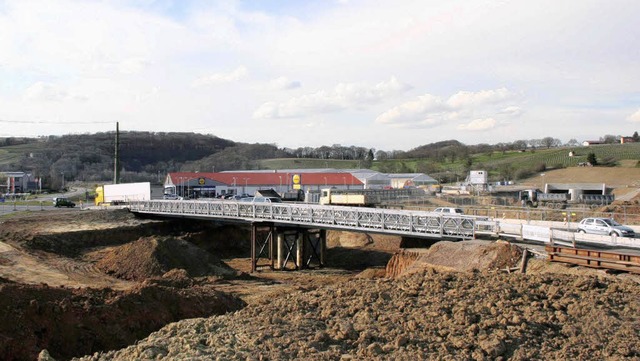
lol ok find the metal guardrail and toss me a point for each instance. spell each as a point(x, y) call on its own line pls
point(551, 234)
point(359, 219)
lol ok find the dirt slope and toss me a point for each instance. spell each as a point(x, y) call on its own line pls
point(426, 316)
point(73, 322)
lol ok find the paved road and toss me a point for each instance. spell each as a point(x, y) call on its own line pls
point(8, 207)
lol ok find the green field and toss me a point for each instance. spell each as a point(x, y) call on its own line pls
point(307, 163)
point(12, 153)
point(518, 163)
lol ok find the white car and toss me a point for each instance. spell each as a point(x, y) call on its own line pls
point(449, 210)
point(604, 226)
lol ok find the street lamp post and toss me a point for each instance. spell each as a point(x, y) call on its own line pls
point(62, 174)
point(244, 189)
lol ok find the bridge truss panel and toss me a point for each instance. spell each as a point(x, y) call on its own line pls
point(357, 219)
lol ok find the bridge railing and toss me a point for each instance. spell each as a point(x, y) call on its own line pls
point(377, 220)
point(390, 221)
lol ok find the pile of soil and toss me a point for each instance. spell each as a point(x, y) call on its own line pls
point(153, 256)
point(429, 315)
point(455, 256)
point(73, 322)
point(358, 240)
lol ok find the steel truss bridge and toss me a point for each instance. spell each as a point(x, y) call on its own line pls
point(295, 233)
point(419, 224)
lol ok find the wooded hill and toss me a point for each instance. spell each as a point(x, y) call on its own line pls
point(149, 156)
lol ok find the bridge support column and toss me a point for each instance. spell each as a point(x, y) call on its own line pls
point(281, 250)
point(303, 247)
point(261, 244)
point(323, 245)
point(300, 249)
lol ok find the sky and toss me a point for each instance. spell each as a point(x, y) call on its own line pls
point(388, 75)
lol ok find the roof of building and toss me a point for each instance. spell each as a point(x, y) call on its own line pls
point(419, 177)
point(261, 178)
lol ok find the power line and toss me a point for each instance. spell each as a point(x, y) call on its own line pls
point(50, 122)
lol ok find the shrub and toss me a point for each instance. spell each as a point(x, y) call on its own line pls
point(540, 167)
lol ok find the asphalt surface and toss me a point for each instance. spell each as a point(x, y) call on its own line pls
point(10, 207)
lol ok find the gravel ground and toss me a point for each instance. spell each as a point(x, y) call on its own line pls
point(429, 315)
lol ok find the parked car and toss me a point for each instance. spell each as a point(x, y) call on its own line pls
point(173, 197)
point(449, 210)
point(604, 226)
point(63, 202)
point(266, 200)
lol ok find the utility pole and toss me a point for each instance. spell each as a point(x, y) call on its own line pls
point(116, 160)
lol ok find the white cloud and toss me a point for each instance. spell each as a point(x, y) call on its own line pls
point(465, 99)
point(283, 83)
point(343, 96)
point(429, 110)
point(237, 74)
point(133, 65)
point(47, 92)
point(414, 111)
point(148, 63)
point(635, 117)
point(479, 125)
point(512, 111)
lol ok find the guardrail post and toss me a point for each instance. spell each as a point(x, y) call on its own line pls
point(521, 232)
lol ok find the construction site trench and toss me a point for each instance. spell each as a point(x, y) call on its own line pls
point(115, 287)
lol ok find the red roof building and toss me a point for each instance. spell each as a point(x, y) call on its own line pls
point(197, 185)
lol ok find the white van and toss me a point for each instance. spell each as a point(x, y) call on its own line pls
point(449, 210)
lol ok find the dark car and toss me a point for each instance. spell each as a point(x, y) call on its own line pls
point(604, 226)
point(63, 202)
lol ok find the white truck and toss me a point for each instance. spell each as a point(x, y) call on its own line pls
point(122, 193)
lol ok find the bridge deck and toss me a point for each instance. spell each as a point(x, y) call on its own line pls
point(419, 224)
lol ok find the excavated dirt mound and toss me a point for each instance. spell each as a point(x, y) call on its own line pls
point(455, 256)
point(630, 208)
point(73, 322)
point(154, 256)
point(425, 316)
point(354, 240)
